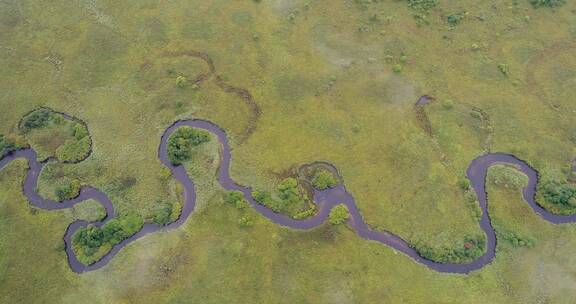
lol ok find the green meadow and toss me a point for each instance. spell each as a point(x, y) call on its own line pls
point(291, 83)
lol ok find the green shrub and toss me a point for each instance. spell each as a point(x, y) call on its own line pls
point(561, 194)
point(422, 5)
point(68, 190)
point(77, 141)
point(338, 215)
point(464, 184)
point(74, 150)
point(324, 179)
point(10, 143)
point(547, 3)
point(163, 214)
point(88, 240)
point(245, 222)
point(515, 239)
point(287, 197)
point(236, 198)
point(181, 81)
point(265, 198)
point(288, 190)
point(181, 143)
point(305, 214)
point(80, 131)
point(503, 68)
point(471, 249)
point(454, 19)
point(36, 119)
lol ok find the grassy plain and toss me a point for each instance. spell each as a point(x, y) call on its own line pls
point(323, 75)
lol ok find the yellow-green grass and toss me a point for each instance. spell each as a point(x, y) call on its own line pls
point(213, 260)
point(327, 92)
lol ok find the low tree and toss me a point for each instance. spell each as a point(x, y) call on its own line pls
point(338, 215)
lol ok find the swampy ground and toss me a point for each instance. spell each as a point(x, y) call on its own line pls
point(331, 80)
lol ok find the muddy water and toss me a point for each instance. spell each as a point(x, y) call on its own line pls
point(325, 200)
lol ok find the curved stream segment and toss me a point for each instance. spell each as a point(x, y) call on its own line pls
point(325, 200)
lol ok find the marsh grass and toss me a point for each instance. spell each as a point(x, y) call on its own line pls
point(363, 124)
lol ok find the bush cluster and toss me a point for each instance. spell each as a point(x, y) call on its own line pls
point(454, 19)
point(75, 148)
point(164, 214)
point(9, 144)
point(236, 198)
point(338, 215)
point(68, 190)
point(471, 249)
point(561, 194)
point(88, 240)
point(181, 143)
point(305, 214)
point(324, 179)
point(286, 197)
point(422, 5)
point(36, 119)
point(515, 239)
point(547, 3)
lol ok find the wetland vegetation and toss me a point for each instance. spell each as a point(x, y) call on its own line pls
point(291, 82)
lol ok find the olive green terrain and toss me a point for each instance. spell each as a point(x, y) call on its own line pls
point(326, 80)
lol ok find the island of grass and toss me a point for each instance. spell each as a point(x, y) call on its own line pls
point(53, 134)
point(93, 242)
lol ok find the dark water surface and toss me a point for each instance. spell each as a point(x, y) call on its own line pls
point(325, 200)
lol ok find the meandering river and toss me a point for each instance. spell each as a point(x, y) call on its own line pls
point(325, 200)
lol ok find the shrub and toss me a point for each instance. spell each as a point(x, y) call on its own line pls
point(245, 222)
point(181, 143)
point(503, 68)
point(397, 68)
point(286, 198)
point(338, 215)
point(10, 143)
point(561, 194)
point(68, 190)
point(471, 249)
point(236, 198)
point(181, 81)
point(265, 198)
point(455, 19)
point(36, 119)
point(547, 3)
point(324, 179)
point(233, 196)
point(464, 184)
point(80, 131)
point(88, 240)
point(74, 150)
point(422, 5)
point(515, 239)
point(305, 214)
point(163, 214)
point(288, 190)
